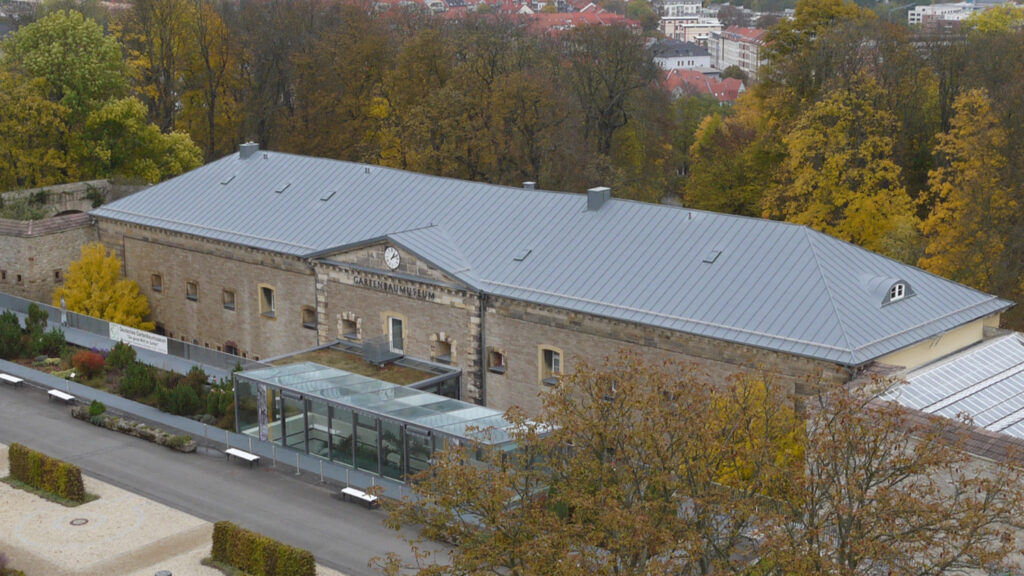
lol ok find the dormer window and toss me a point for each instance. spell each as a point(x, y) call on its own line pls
point(897, 292)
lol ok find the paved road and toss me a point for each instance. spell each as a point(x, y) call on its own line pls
point(342, 535)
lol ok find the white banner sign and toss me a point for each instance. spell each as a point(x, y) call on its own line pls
point(138, 338)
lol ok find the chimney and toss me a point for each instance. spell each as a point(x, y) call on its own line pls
point(248, 149)
point(530, 185)
point(596, 197)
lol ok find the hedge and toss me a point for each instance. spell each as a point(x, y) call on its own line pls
point(259, 555)
point(44, 473)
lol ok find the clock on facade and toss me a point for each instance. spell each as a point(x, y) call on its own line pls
point(392, 258)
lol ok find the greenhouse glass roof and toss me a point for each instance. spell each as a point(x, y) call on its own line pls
point(400, 403)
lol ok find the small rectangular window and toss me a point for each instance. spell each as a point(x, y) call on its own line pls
point(18, 278)
point(156, 282)
point(442, 352)
point(350, 329)
point(228, 298)
point(192, 290)
point(58, 276)
point(3, 275)
point(551, 367)
point(308, 318)
point(267, 304)
point(495, 361)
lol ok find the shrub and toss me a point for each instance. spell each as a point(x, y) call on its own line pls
point(87, 363)
point(44, 473)
point(11, 345)
point(181, 400)
point(120, 356)
point(257, 554)
point(96, 408)
point(197, 379)
point(138, 380)
point(52, 342)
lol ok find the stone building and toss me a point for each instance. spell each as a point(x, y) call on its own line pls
point(35, 254)
point(263, 253)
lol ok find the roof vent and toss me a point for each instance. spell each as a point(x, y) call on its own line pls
point(530, 185)
point(712, 256)
point(523, 254)
point(227, 180)
point(247, 150)
point(282, 187)
point(596, 197)
point(328, 195)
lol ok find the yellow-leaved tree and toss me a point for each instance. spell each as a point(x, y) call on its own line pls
point(974, 214)
point(94, 286)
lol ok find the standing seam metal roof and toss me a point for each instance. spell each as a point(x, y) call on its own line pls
point(774, 285)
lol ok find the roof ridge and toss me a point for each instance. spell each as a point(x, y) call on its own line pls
point(828, 289)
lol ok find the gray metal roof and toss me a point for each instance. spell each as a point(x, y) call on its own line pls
point(774, 285)
point(985, 382)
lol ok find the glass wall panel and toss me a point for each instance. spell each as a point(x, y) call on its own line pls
point(274, 414)
point(367, 455)
point(316, 429)
point(391, 444)
point(341, 435)
point(247, 415)
point(418, 450)
point(293, 412)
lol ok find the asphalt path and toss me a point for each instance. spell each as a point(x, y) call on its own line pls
point(272, 501)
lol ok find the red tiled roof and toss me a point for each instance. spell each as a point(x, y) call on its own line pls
point(694, 82)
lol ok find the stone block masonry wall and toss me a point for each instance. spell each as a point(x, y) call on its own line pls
point(34, 256)
point(212, 268)
point(520, 329)
point(431, 313)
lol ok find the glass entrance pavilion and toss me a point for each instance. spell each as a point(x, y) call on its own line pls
point(379, 427)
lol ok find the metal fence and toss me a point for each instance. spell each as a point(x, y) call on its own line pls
point(176, 348)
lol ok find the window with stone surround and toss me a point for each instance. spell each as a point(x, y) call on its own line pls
point(308, 318)
point(228, 298)
point(349, 327)
point(442, 352)
point(192, 290)
point(268, 305)
point(156, 282)
point(495, 361)
point(550, 365)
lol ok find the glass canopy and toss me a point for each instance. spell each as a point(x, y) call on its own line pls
point(377, 426)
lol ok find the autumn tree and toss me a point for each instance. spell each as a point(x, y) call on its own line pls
point(82, 67)
point(33, 151)
point(635, 468)
point(973, 214)
point(883, 493)
point(606, 65)
point(94, 286)
point(157, 42)
point(119, 140)
point(624, 472)
point(839, 176)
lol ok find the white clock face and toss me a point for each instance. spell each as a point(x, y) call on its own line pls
point(392, 258)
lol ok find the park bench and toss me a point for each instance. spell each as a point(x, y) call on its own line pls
point(12, 380)
point(67, 398)
point(242, 455)
point(357, 494)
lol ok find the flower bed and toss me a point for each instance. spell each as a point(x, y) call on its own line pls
point(181, 443)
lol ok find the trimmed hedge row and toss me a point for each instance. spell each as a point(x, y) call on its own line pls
point(45, 473)
point(259, 555)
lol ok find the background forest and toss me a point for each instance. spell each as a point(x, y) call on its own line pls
point(900, 141)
